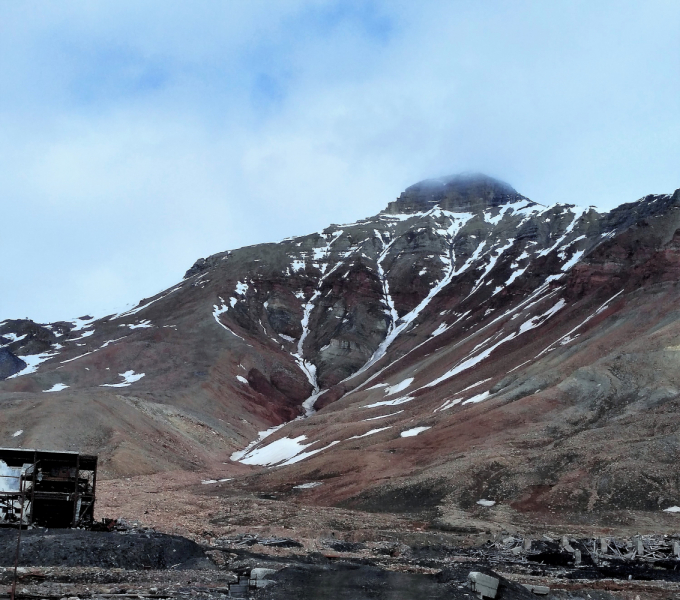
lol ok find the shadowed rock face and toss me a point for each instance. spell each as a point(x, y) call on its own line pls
point(9, 364)
point(466, 343)
point(471, 192)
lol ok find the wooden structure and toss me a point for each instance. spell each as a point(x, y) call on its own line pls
point(51, 489)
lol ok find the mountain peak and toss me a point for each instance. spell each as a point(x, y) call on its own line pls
point(465, 192)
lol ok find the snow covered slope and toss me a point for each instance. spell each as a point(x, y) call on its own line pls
point(465, 335)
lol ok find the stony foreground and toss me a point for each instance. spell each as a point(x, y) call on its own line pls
point(262, 548)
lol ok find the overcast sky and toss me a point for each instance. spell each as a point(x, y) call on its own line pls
point(140, 136)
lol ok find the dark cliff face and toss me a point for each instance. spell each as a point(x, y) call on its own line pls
point(489, 323)
point(471, 192)
point(10, 364)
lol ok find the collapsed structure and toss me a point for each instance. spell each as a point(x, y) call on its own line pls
point(51, 489)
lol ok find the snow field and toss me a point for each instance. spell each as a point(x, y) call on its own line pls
point(414, 431)
point(129, 377)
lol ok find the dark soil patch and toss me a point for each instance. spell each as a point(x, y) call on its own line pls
point(343, 581)
point(79, 548)
point(417, 499)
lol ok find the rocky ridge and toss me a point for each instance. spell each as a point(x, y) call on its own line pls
point(465, 344)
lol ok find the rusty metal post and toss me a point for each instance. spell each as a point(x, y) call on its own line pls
point(35, 469)
point(21, 522)
point(94, 487)
point(75, 494)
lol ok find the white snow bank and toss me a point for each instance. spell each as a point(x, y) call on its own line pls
point(260, 436)
point(307, 486)
point(441, 329)
point(307, 454)
point(141, 325)
point(13, 337)
point(672, 509)
point(398, 387)
point(129, 377)
point(413, 432)
point(284, 451)
point(448, 404)
point(278, 451)
point(383, 416)
point(32, 361)
point(474, 385)
point(394, 402)
point(573, 260)
point(242, 379)
point(219, 310)
point(57, 387)
point(134, 311)
point(477, 398)
point(108, 342)
point(17, 433)
point(85, 334)
point(471, 361)
point(371, 432)
point(79, 323)
point(483, 502)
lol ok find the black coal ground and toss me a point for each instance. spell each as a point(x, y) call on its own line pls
point(344, 581)
point(144, 556)
point(81, 548)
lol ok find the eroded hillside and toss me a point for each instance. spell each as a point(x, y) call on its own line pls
point(465, 344)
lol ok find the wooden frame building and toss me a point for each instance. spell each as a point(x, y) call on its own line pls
point(51, 489)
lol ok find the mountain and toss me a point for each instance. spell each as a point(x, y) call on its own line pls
point(465, 344)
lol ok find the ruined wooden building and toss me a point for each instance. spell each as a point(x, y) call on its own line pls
point(51, 489)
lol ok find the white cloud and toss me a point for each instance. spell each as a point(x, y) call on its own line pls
point(139, 137)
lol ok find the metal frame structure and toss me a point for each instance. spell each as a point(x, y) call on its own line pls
point(53, 489)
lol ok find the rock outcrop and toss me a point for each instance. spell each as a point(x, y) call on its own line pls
point(466, 343)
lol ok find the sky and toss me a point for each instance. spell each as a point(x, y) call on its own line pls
point(137, 137)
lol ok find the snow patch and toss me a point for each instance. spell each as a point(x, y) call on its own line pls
point(308, 486)
point(478, 398)
point(238, 455)
point(383, 416)
point(278, 451)
point(57, 387)
point(474, 385)
point(129, 377)
point(394, 402)
point(441, 329)
point(307, 454)
point(573, 260)
point(398, 387)
point(219, 310)
point(448, 404)
point(32, 361)
point(13, 337)
point(371, 432)
point(133, 311)
point(411, 316)
point(414, 431)
point(107, 342)
point(141, 325)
